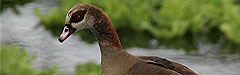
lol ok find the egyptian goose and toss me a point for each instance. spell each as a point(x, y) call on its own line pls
point(114, 59)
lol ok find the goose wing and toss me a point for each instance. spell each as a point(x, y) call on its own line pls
point(179, 68)
point(143, 67)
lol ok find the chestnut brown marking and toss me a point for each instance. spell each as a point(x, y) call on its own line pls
point(78, 16)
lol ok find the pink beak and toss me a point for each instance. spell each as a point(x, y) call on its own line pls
point(65, 34)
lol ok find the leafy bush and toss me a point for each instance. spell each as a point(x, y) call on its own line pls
point(15, 61)
point(174, 23)
point(88, 69)
point(18, 62)
point(12, 4)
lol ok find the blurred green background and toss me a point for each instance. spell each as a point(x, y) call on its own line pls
point(179, 24)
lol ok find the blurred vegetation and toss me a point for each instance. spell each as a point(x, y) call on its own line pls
point(13, 4)
point(179, 24)
point(16, 61)
point(88, 69)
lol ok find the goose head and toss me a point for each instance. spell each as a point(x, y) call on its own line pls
point(78, 17)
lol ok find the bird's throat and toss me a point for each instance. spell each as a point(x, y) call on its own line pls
point(114, 59)
point(104, 31)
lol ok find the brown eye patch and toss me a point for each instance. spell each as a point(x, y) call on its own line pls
point(78, 16)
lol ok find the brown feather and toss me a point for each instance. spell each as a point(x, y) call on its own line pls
point(170, 65)
point(143, 68)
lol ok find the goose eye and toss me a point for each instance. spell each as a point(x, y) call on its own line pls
point(78, 16)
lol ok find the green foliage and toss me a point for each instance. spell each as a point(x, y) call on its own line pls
point(12, 4)
point(174, 23)
point(17, 62)
point(88, 69)
point(205, 19)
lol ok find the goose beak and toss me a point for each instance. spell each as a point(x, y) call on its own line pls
point(65, 34)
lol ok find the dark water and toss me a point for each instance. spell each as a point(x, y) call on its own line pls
point(23, 30)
